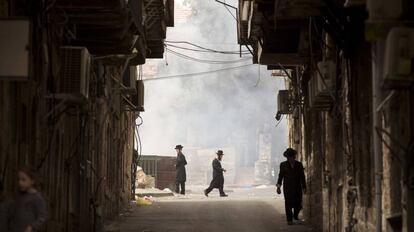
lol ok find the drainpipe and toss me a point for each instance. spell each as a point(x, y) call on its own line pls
point(377, 55)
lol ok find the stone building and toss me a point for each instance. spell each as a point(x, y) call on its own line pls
point(349, 101)
point(70, 94)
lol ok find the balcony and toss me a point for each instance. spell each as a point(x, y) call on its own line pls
point(158, 14)
point(287, 45)
point(104, 26)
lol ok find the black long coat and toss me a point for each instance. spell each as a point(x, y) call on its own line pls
point(180, 166)
point(218, 178)
point(293, 180)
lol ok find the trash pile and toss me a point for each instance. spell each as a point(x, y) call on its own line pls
point(144, 181)
point(144, 200)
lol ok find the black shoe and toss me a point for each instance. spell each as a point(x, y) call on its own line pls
point(224, 195)
point(205, 193)
point(296, 218)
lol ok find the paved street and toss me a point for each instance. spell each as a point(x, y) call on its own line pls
point(245, 210)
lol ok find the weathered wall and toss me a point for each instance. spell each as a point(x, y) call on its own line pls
point(82, 153)
point(336, 148)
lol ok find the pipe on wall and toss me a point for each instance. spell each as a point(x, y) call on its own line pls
point(377, 54)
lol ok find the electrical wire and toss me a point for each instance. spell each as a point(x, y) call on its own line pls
point(394, 140)
point(320, 39)
point(227, 8)
point(208, 51)
point(206, 61)
point(201, 47)
point(281, 119)
point(139, 139)
point(225, 4)
point(199, 73)
point(392, 152)
point(285, 71)
point(315, 65)
point(136, 156)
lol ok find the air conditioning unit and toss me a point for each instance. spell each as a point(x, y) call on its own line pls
point(399, 58)
point(321, 86)
point(73, 81)
point(14, 49)
point(129, 80)
point(286, 45)
point(324, 82)
point(385, 10)
point(284, 102)
point(138, 99)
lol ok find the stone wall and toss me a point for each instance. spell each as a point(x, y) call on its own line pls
point(336, 148)
point(82, 153)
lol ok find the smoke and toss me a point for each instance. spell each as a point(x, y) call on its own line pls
point(214, 110)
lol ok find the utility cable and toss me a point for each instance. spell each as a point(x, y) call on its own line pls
point(227, 8)
point(208, 50)
point(201, 47)
point(139, 139)
point(386, 144)
point(226, 5)
point(136, 158)
point(205, 61)
point(199, 73)
point(281, 119)
point(315, 65)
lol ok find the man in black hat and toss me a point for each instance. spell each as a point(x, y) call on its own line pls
point(218, 178)
point(292, 176)
point(181, 173)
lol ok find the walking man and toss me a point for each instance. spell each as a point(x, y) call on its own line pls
point(292, 176)
point(218, 178)
point(181, 173)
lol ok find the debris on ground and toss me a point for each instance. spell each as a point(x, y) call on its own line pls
point(144, 200)
point(144, 181)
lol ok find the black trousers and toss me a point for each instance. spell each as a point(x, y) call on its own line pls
point(210, 188)
point(293, 200)
point(177, 187)
point(289, 214)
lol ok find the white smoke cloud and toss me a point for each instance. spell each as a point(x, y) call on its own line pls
point(222, 109)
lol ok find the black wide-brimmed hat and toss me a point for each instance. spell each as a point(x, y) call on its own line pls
point(178, 147)
point(290, 152)
point(220, 152)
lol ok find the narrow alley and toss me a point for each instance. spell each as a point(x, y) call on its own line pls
point(206, 115)
point(246, 209)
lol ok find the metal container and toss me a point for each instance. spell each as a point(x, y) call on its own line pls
point(162, 168)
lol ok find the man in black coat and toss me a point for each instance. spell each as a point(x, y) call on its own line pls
point(292, 176)
point(218, 178)
point(181, 173)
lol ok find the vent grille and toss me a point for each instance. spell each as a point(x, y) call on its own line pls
point(71, 71)
point(73, 81)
